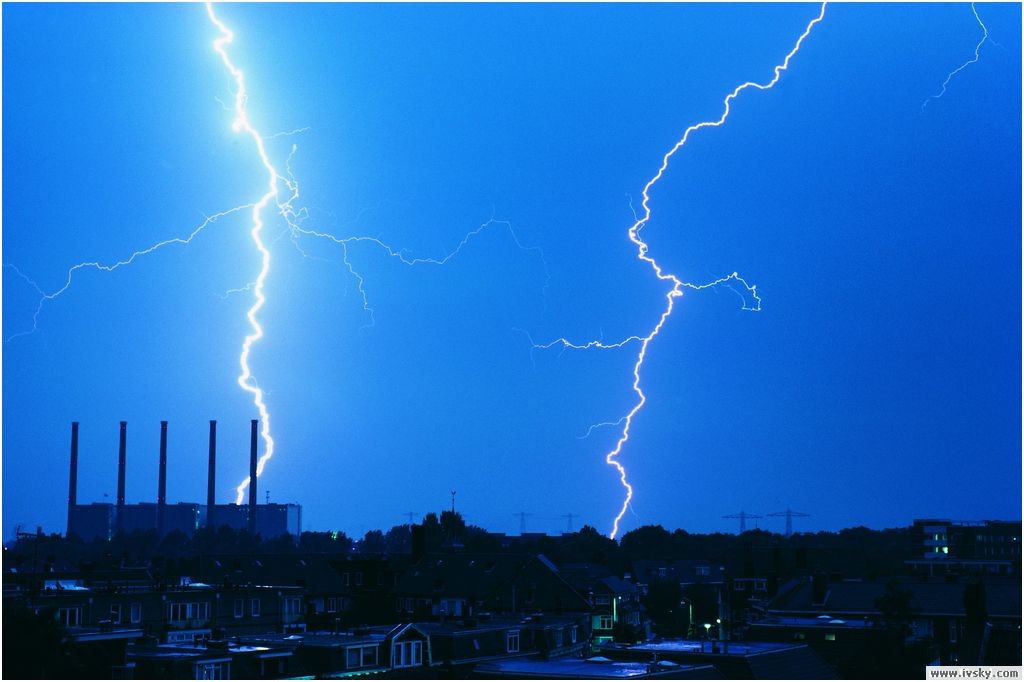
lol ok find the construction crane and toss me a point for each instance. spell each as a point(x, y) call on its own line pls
point(742, 516)
point(412, 517)
point(789, 514)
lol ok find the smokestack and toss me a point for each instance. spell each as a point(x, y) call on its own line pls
point(120, 474)
point(161, 493)
point(73, 476)
point(211, 476)
point(252, 476)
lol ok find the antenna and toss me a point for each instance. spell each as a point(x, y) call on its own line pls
point(789, 514)
point(412, 517)
point(453, 502)
point(267, 493)
point(742, 516)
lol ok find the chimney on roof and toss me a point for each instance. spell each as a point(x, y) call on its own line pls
point(73, 476)
point(252, 476)
point(211, 475)
point(121, 455)
point(161, 493)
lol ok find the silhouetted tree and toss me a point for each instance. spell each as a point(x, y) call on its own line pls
point(328, 542)
point(648, 542)
point(398, 540)
point(373, 542)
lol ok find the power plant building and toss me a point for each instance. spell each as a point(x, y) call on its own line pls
point(103, 520)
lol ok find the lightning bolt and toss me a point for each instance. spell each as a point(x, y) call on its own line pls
point(977, 56)
point(678, 285)
point(283, 190)
point(45, 297)
point(284, 202)
point(346, 242)
point(243, 124)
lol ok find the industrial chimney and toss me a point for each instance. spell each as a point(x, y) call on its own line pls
point(121, 453)
point(252, 476)
point(211, 476)
point(161, 493)
point(73, 477)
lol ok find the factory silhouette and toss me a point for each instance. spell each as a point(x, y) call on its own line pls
point(102, 520)
point(444, 599)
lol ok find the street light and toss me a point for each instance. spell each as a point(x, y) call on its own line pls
point(689, 623)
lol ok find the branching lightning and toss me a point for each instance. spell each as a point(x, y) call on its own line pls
point(977, 56)
point(45, 297)
point(283, 190)
point(285, 202)
point(346, 242)
point(242, 124)
point(678, 285)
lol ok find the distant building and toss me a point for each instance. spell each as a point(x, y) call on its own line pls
point(946, 546)
point(184, 517)
point(272, 519)
point(92, 521)
point(100, 520)
point(103, 520)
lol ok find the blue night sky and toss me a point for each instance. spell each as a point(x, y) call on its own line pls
point(879, 382)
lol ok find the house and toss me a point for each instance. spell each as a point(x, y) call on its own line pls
point(209, 660)
point(459, 646)
point(734, 661)
point(461, 585)
point(843, 619)
point(594, 668)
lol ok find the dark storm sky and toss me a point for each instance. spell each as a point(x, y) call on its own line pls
point(880, 381)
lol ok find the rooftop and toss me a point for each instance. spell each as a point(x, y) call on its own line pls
point(706, 646)
point(596, 668)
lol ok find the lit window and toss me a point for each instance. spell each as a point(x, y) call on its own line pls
point(292, 606)
point(70, 616)
point(604, 622)
point(181, 612)
point(361, 657)
point(406, 654)
point(213, 671)
point(945, 550)
point(830, 637)
point(512, 641)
